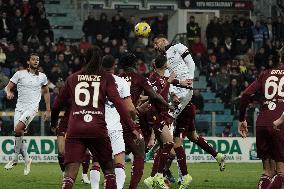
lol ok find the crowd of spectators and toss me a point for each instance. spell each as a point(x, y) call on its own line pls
point(235, 51)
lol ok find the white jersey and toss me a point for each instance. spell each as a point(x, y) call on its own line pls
point(112, 117)
point(29, 89)
point(181, 63)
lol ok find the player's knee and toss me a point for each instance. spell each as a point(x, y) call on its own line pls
point(119, 159)
point(96, 166)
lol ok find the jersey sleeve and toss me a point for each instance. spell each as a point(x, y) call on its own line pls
point(44, 81)
point(249, 91)
point(114, 97)
point(125, 89)
point(145, 83)
point(15, 78)
point(184, 53)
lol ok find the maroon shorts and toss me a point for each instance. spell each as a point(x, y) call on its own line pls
point(269, 143)
point(185, 121)
point(75, 149)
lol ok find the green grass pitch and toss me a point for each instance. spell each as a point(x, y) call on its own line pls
point(205, 176)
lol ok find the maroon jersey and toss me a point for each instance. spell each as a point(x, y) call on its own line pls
point(161, 84)
point(138, 84)
point(270, 84)
point(87, 96)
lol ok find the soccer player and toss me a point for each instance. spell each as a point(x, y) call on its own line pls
point(87, 91)
point(181, 63)
point(269, 141)
point(30, 85)
point(114, 127)
point(138, 85)
point(60, 130)
point(161, 121)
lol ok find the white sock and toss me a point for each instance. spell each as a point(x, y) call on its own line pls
point(120, 177)
point(95, 179)
point(24, 152)
point(18, 145)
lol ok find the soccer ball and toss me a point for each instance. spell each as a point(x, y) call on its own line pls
point(142, 29)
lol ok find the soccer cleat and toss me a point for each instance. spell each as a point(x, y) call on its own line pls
point(169, 176)
point(186, 181)
point(85, 179)
point(220, 158)
point(149, 182)
point(27, 169)
point(159, 181)
point(10, 165)
point(149, 155)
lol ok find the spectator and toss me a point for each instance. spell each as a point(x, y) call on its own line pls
point(260, 59)
point(26, 8)
point(63, 66)
point(17, 22)
point(192, 30)
point(118, 27)
point(130, 31)
point(61, 45)
point(227, 132)
point(33, 42)
point(99, 41)
point(198, 47)
point(90, 28)
point(222, 81)
point(104, 26)
point(2, 56)
point(3, 79)
point(228, 45)
point(198, 101)
point(278, 29)
point(231, 95)
point(55, 74)
point(44, 27)
point(227, 27)
point(258, 35)
point(269, 28)
point(85, 44)
point(242, 32)
point(223, 57)
point(241, 47)
point(160, 25)
point(5, 26)
point(46, 64)
point(213, 30)
point(243, 67)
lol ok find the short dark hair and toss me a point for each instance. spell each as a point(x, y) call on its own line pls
point(108, 62)
point(32, 54)
point(160, 61)
point(128, 60)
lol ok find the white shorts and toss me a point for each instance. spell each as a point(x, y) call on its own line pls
point(117, 141)
point(184, 100)
point(24, 116)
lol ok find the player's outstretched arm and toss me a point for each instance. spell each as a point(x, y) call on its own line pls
point(46, 94)
point(130, 107)
point(8, 90)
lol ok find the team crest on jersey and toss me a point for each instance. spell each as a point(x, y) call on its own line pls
point(271, 106)
point(88, 118)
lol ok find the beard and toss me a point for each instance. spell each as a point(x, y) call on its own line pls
point(33, 67)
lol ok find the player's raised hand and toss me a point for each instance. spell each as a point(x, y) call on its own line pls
point(172, 77)
point(10, 95)
point(243, 129)
point(46, 115)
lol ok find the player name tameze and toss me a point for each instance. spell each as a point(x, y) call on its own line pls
point(89, 78)
point(280, 72)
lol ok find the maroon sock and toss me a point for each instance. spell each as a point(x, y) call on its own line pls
point(156, 162)
point(264, 182)
point(137, 172)
point(61, 162)
point(169, 163)
point(67, 183)
point(181, 159)
point(202, 143)
point(110, 182)
point(86, 163)
point(277, 181)
point(164, 156)
point(95, 167)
